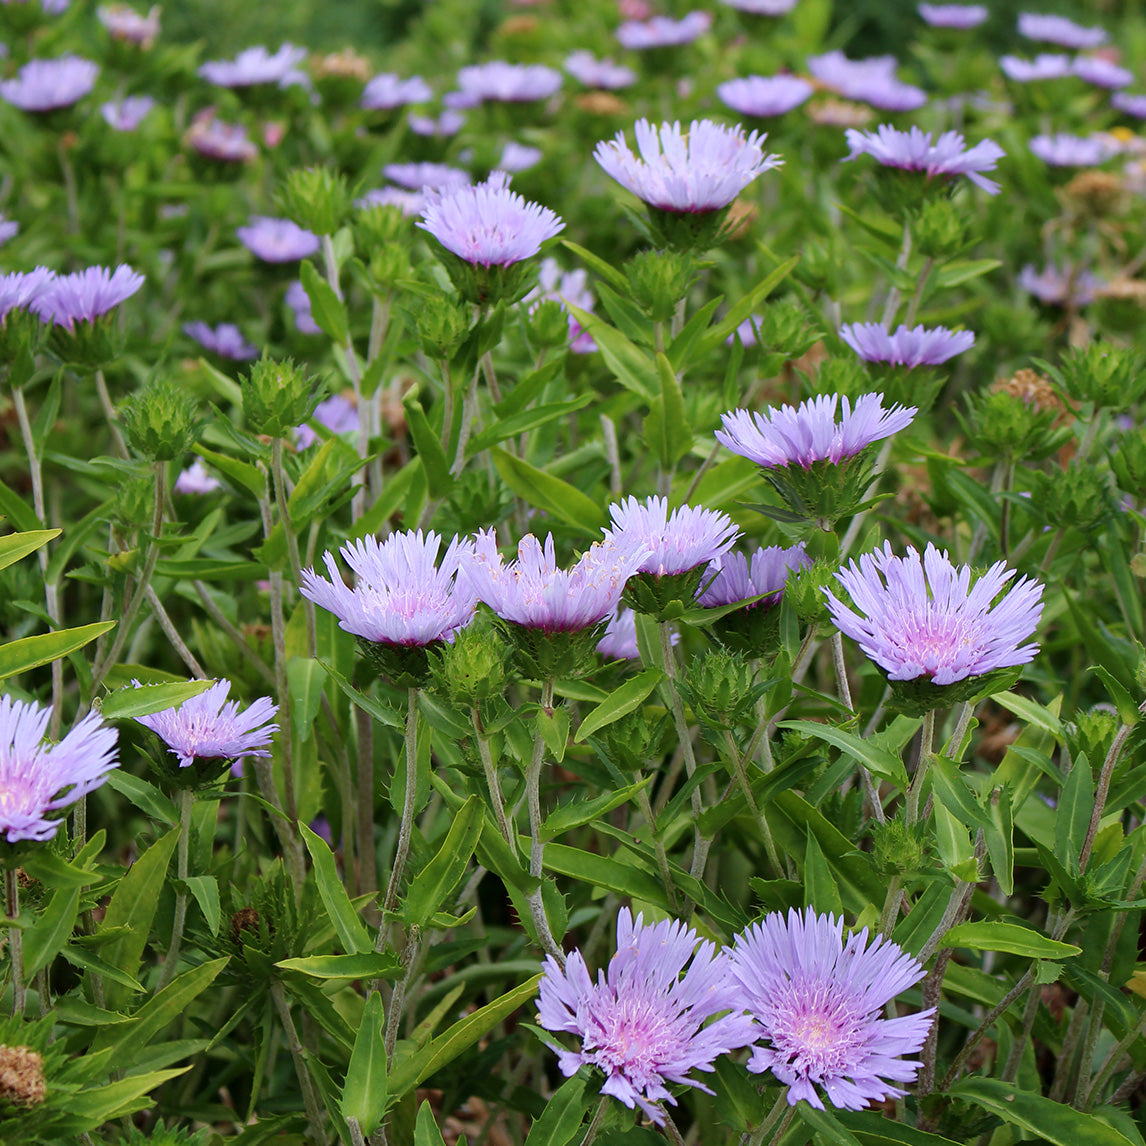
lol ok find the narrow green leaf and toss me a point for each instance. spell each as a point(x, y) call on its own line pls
point(1032, 712)
point(561, 1121)
point(524, 421)
point(364, 1092)
point(1123, 701)
point(143, 795)
point(31, 652)
point(385, 716)
point(676, 438)
point(431, 886)
point(620, 702)
point(606, 270)
point(328, 309)
point(91, 1108)
point(627, 362)
point(126, 703)
point(953, 792)
point(878, 760)
point(749, 303)
point(53, 871)
point(305, 679)
point(351, 931)
point(566, 817)
point(242, 473)
point(550, 493)
point(957, 273)
point(205, 889)
point(369, 966)
point(993, 935)
point(12, 505)
point(44, 939)
point(1000, 839)
point(602, 871)
point(553, 727)
point(874, 1128)
point(435, 464)
point(820, 888)
point(824, 1123)
point(1072, 818)
point(18, 545)
point(426, 1132)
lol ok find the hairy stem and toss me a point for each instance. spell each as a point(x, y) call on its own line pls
point(186, 798)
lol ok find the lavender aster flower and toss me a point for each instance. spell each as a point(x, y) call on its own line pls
point(594, 73)
point(1055, 286)
point(763, 7)
point(500, 82)
point(9, 229)
point(694, 171)
point(410, 203)
point(820, 1002)
point(1063, 150)
point(450, 122)
point(299, 302)
point(45, 85)
point(565, 287)
point(810, 433)
point(953, 15)
point(215, 139)
point(196, 479)
point(517, 157)
point(663, 32)
point(403, 596)
point(619, 642)
point(736, 577)
point(488, 224)
point(338, 414)
point(37, 778)
point(436, 176)
point(1045, 66)
point(1059, 30)
point(674, 542)
point(908, 346)
point(125, 24)
point(764, 96)
point(1129, 103)
point(387, 91)
point(254, 66)
point(85, 295)
point(641, 1022)
point(913, 151)
point(126, 114)
point(20, 289)
point(533, 592)
point(210, 727)
point(870, 81)
point(925, 619)
point(1101, 72)
point(277, 240)
point(226, 340)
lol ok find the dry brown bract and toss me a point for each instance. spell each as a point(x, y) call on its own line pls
point(21, 1076)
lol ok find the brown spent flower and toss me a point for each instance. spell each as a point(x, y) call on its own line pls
point(602, 103)
point(22, 1076)
point(741, 216)
point(246, 919)
point(839, 113)
point(344, 65)
point(1031, 387)
point(1096, 192)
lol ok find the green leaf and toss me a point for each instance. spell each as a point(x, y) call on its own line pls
point(44, 939)
point(1072, 817)
point(53, 871)
point(566, 817)
point(827, 1129)
point(543, 490)
point(877, 760)
point(18, 545)
point(561, 1121)
point(820, 888)
point(91, 1108)
point(953, 792)
point(956, 849)
point(553, 728)
point(384, 965)
point(143, 795)
point(31, 652)
point(305, 679)
point(435, 464)
point(874, 1128)
point(524, 421)
point(242, 473)
point(426, 1132)
point(675, 431)
point(431, 886)
point(957, 273)
point(1043, 1118)
point(620, 702)
point(1000, 839)
point(364, 1092)
point(14, 506)
point(607, 271)
point(385, 716)
point(328, 309)
point(601, 871)
point(1032, 712)
point(748, 304)
point(627, 362)
point(1123, 701)
point(351, 931)
point(130, 702)
point(992, 935)
point(205, 889)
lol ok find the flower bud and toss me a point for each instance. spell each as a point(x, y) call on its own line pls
point(159, 421)
point(1103, 373)
point(134, 505)
point(1075, 498)
point(685, 231)
point(474, 669)
point(664, 597)
point(1092, 732)
point(658, 280)
point(939, 231)
point(999, 422)
point(1129, 464)
point(898, 847)
point(405, 666)
point(549, 324)
point(389, 264)
point(541, 655)
point(784, 328)
point(277, 396)
point(720, 687)
point(378, 225)
point(316, 198)
point(441, 325)
point(635, 739)
point(805, 590)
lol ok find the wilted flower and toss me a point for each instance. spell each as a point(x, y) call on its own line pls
point(820, 1001)
point(210, 727)
point(675, 542)
point(450, 122)
point(908, 346)
point(694, 171)
point(1066, 286)
point(128, 113)
point(663, 32)
point(736, 577)
point(871, 81)
point(45, 85)
point(338, 414)
point(953, 15)
point(38, 778)
point(126, 24)
point(215, 139)
point(913, 150)
point(436, 176)
point(277, 240)
point(255, 66)
point(226, 340)
point(1059, 30)
point(641, 1023)
point(594, 73)
point(1045, 66)
point(196, 479)
point(810, 433)
point(500, 82)
point(763, 7)
point(923, 618)
point(85, 295)
point(764, 96)
point(1101, 72)
point(388, 91)
point(1063, 150)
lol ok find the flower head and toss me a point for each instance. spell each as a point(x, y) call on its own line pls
point(870, 80)
point(450, 122)
point(1045, 66)
point(953, 15)
point(642, 1023)
point(924, 618)
point(533, 592)
point(227, 142)
point(1101, 72)
point(128, 113)
point(255, 66)
point(489, 225)
point(764, 96)
point(763, 7)
point(1129, 103)
point(299, 302)
point(913, 151)
point(196, 479)
point(436, 176)
point(85, 295)
point(820, 999)
point(9, 229)
point(517, 157)
point(45, 85)
point(810, 433)
point(404, 596)
point(210, 727)
point(20, 289)
point(594, 73)
point(1055, 286)
point(662, 31)
point(124, 23)
point(500, 82)
point(226, 340)
point(1059, 30)
point(38, 778)
point(338, 414)
point(410, 203)
point(388, 91)
point(736, 577)
point(277, 240)
point(675, 542)
point(908, 346)
point(1064, 150)
point(694, 171)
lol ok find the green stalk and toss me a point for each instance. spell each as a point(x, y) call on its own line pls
point(597, 1123)
point(492, 781)
point(314, 1114)
point(398, 998)
point(409, 803)
point(15, 940)
point(536, 844)
point(737, 762)
point(186, 798)
point(781, 1113)
point(279, 477)
point(915, 788)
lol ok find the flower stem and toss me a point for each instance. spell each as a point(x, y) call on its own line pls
point(186, 797)
point(109, 414)
point(491, 780)
point(409, 804)
point(279, 478)
point(658, 846)
point(598, 1121)
point(536, 843)
point(314, 1115)
point(901, 265)
point(737, 762)
point(915, 788)
point(1103, 791)
point(782, 1112)
point(920, 287)
point(15, 940)
point(364, 823)
point(398, 998)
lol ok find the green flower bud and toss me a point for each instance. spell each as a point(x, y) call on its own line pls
point(1000, 422)
point(316, 198)
point(720, 687)
point(844, 376)
point(1092, 732)
point(485, 286)
point(688, 231)
point(379, 225)
point(441, 325)
point(784, 328)
point(549, 324)
point(1078, 497)
point(389, 265)
point(818, 267)
point(474, 668)
point(898, 847)
point(159, 421)
point(805, 590)
point(1129, 464)
point(541, 655)
point(658, 280)
point(134, 505)
point(1103, 373)
point(277, 396)
point(21, 335)
point(406, 666)
point(939, 231)
point(635, 739)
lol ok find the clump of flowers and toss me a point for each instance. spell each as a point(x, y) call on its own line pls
point(908, 346)
point(872, 81)
point(500, 82)
point(1059, 30)
point(387, 91)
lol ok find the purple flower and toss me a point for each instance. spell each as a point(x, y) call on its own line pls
point(1059, 30)
point(1101, 72)
point(763, 7)
point(45, 85)
point(694, 171)
point(619, 642)
point(764, 96)
point(226, 340)
point(500, 82)
point(663, 32)
point(517, 157)
point(403, 596)
point(387, 91)
point(925, 619)
point(1068, 286)
point(436, 176)
point(565, 287)
point(1129, 103)
point(38, 778)
point(736, 578)
point(85, 295)
point(488, 224)
point(215, 139)
point(450, 122)
point(1063, 150)
point(820, 1001)
point(410, 203)
point(126, 114)
point(674, 542)
point(810, 433)
point(210, 727)
point(196, 479)
point(533, 592)
point(870, 81)
point(127, 25)
point(641, 1022)
point(277, 240)
point(20, 289)
point(9, 229)
point(953, 15)
point(913, 151)
point(255, 66)
point(594, 73)
point(49, 7)
point(746, 332)
point(1045, 66)
point(338, 414)
point(908, 346)
point(299, 302)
